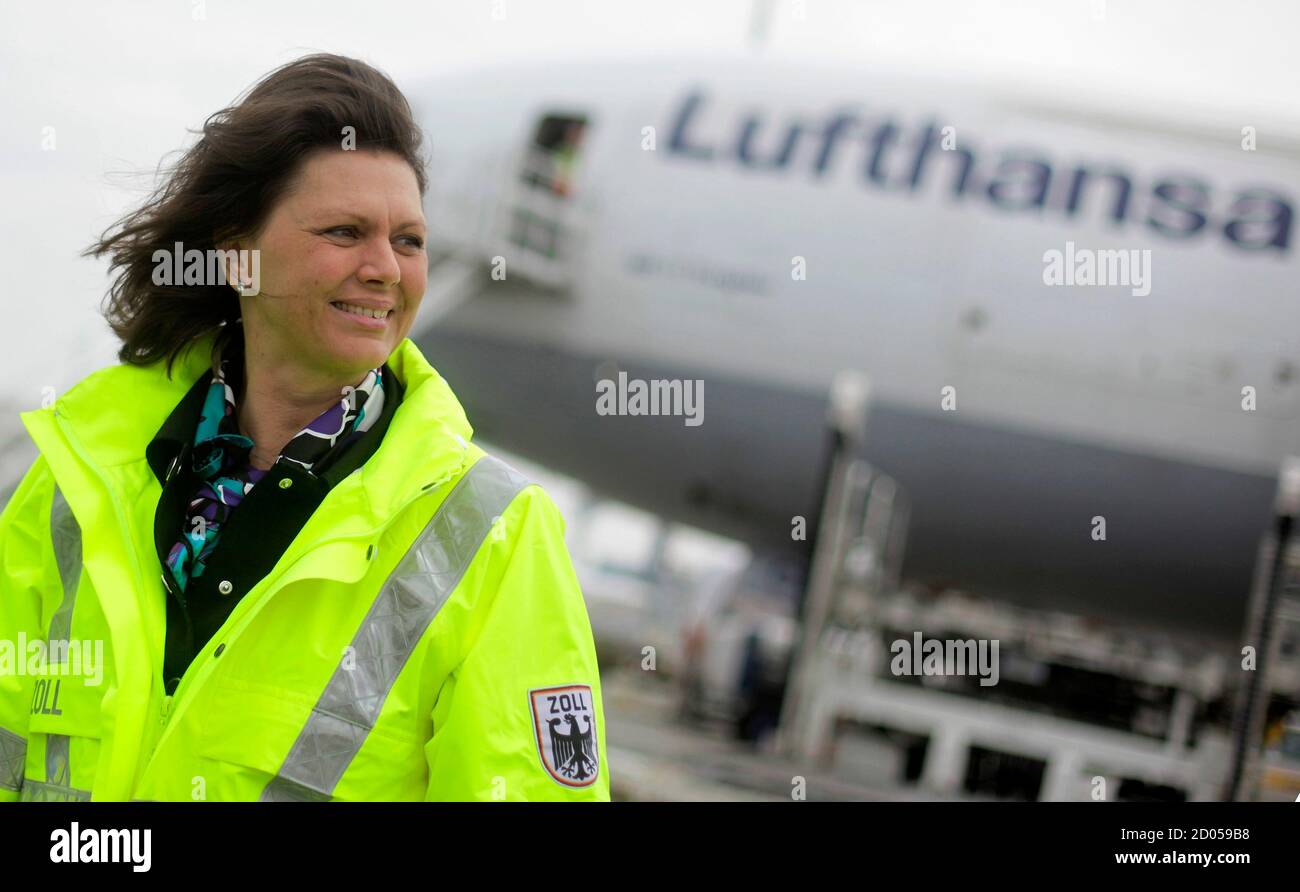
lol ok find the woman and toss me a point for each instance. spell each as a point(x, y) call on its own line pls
point(260, 558)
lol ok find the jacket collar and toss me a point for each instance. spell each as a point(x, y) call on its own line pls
point(176, 435)
point(115, 413)
point(175, 439)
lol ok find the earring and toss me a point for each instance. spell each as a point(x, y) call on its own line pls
point(244, 288)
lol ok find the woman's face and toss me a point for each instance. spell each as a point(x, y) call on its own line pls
point(350, 230)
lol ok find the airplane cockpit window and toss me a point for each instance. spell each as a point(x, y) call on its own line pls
point(541, 214)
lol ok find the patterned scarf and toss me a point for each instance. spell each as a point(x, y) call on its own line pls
point(221, 453)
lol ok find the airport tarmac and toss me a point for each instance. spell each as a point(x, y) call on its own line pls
point(654, 756)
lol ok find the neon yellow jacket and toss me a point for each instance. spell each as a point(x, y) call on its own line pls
point(423, 637)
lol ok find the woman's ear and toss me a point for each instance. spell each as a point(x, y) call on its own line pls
point(243, 280)
point(229, 253)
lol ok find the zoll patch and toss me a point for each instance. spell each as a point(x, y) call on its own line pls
point(564, 722)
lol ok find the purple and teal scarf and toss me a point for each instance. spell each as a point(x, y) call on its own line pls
point(221, 453)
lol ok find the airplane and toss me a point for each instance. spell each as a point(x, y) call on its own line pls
point(1078, 321)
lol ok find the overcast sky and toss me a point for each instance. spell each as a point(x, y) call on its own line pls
point(120, 83)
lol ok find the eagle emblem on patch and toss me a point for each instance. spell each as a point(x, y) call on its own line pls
point(564, 723)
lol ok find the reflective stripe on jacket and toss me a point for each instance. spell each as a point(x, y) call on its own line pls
point(423, 637)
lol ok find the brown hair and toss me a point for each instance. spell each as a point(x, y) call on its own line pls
point(225, 185)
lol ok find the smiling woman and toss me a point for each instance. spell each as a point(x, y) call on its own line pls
point(340, 291)
point(309, 582)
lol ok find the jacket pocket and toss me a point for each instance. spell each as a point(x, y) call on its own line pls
point(272, 743)
point(64, 735)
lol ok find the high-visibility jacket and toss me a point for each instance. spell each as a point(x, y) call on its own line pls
point(423, 637)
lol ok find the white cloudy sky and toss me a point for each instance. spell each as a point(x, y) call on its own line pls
point(121, 82)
